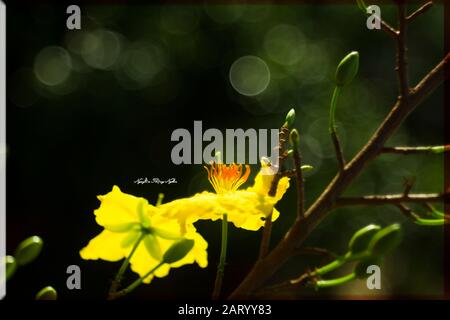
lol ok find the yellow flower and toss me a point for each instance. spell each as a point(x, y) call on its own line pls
point(125, 219)
point(246, 208)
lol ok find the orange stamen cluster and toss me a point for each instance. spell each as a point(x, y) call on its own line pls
point(225, 178)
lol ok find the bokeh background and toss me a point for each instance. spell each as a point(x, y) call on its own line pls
point(92, 108)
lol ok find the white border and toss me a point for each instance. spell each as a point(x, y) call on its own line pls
point(2, 146)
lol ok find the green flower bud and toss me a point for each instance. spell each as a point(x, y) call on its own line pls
point(290, 118)
point(28, 250)
point(290, 153)
point(360, 240)
point(385, 240)
point(347, 69)
point(306, 168)
point(361, 267)
point(10, 266)
point(47, 293)
point(178, 251)
point(294, 138)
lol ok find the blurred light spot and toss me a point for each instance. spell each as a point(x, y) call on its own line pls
point(21, 89)
point(140, 64)
point(285, 44)
point(224, 14)
point(249, 75)
point(179, 20)
point(314, 67)
point(101, 49)
point(52, 65)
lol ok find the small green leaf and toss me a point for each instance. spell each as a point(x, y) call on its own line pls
point(28, 250)
point(47, 293)
point(178, 250)
point(152, 245)
point(10, 266)
point(360, 240)
point(347, 69)
point(385, 240)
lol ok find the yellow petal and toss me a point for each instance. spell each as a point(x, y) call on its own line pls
point(106, 246)
point(118, 208)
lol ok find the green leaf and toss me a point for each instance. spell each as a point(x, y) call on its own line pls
point(178, 250)
point(360, 240)
point(385, 240)
point(28, 250)
point(47, 293)
point(152, 245)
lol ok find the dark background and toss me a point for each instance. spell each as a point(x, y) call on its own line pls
point(98, 110)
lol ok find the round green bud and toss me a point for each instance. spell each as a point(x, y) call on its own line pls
point(28, 250)
point(47, 293)
point(10, 266)
point(306, 168)
point(385, 240)
point(347, 69)
point(360, 240)
point(290, 118)
point(361, 267)
point(294, 138)
point(178, 251)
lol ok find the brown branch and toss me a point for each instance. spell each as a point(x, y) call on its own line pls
point(407, 211)
point(267, 232)
point(392, 199)
point(265, 268)
point(415, 150)
point(401, 64)
point(419, 11)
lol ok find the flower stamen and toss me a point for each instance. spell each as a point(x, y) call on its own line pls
point(226, 178)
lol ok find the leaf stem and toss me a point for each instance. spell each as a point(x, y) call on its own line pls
point(335, 282)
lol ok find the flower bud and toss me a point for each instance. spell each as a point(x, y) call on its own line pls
point(360, 240)
point(10, 266)
point(178, 251)
point(294, 138)
point(347, 69)
point(28, 250)
point(385, 240)
point(47, 293)
point(290, 118)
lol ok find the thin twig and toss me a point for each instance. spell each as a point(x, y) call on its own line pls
point(407, 211)
point(401, 65)
point(378, 200)
point(419, 11)
point(415, 150)
point(299, 183)
point(267, 232)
